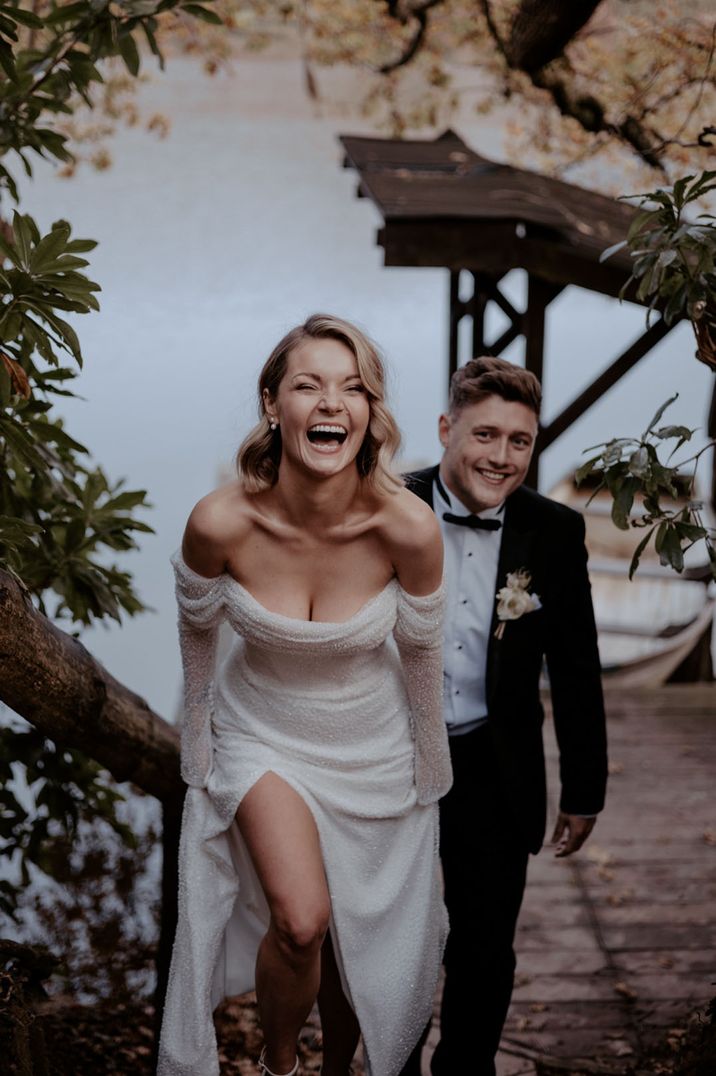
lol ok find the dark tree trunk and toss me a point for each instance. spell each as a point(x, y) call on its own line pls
point(51, 680)
point(541, 29)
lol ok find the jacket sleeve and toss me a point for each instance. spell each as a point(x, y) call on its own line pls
point(200, 603)
point(572, 658)
point(419, 637)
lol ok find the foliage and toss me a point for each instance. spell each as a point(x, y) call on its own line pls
point(61, 518)
point(62, 791)
point(635, 88)
point(58, 514)
point(51, 59)
point(673, 267)
point(630, 468)
point(102, 920)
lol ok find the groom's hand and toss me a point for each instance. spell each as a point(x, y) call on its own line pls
point(570, 833)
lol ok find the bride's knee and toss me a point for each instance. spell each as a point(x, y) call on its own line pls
point(301, 930)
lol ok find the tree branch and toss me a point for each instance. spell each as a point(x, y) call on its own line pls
point(541, 29)
point(403, 13)
point(51, 680)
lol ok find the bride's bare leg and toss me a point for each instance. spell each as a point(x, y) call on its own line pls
point(338, 1021)
point(282, 839)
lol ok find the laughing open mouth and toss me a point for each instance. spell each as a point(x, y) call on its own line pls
point(326, 434)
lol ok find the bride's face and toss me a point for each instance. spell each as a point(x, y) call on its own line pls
point(322, 407)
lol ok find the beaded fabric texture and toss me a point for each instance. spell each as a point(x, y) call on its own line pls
point(354, 724)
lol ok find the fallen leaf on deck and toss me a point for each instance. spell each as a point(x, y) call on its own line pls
point(625, 990)
point(621, 1048)
point(615, 899)
point(599, 855)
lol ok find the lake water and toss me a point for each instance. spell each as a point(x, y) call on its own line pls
point(212, 244)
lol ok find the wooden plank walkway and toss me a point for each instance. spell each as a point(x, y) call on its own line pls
point(618, 944)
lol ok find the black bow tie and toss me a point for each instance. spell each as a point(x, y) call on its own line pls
point(474, 522)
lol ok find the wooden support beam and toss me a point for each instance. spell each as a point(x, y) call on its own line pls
point(605, 381)
point(454, 315)
point(478, 305)
point(540, 294)
point(488, 285)
point(505, 339)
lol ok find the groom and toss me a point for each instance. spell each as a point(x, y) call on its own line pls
point(502, 539)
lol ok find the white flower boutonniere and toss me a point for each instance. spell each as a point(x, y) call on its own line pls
point(514, 599)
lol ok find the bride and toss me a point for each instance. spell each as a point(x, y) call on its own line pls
point(316, 755)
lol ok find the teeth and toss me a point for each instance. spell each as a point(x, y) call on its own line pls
point(493, 474)
point(328, 429)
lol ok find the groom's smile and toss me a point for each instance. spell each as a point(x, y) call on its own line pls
point(488, 447)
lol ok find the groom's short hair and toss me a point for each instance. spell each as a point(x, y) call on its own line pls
point(489, 376)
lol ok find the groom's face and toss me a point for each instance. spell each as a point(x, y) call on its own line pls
point(488, 447)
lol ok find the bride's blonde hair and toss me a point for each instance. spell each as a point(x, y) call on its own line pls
point(259, 454)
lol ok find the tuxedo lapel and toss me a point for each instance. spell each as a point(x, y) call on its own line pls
point(421, 484)
point(515, 553)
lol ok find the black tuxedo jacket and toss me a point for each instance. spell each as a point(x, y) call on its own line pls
point(547, 539)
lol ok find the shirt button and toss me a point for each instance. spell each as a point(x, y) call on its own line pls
point(458, 646)
point(457, 691)
point(469, 554)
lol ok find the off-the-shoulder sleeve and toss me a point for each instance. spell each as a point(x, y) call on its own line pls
point(418, 634)
point(200, 602)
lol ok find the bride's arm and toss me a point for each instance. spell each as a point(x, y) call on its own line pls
point(199, 578)
point(416, 549)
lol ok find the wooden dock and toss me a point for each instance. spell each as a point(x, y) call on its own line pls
point(617, 945)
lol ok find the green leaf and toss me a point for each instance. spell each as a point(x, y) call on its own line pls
point(691, 532)
point(670, 552)
point(7, 62)
point(612, 250)
point(203, 13)
point(51, 433)
point(130, 53)
point(22, 526)
point(67, 334)
point(660, 412)
point(682, 432)
point(152, 42)
point(25, 18)
point(638, 552)
point(586, 469)
point(66, 13)
point(124, 501)
point(47, 250)
point(623, 502)
point(23, 237)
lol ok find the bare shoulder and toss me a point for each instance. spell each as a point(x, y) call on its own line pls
point(216, 523)
point(412, 537)
point(408, 522)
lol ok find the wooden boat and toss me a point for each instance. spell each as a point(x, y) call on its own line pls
point(650, 626)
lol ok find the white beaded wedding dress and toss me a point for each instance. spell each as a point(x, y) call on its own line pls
point(354, 724)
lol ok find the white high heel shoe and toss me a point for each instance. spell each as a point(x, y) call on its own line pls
point(264, 1070)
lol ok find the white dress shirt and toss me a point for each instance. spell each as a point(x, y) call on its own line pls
point(471, 559)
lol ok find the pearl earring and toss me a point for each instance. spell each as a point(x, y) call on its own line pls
point(273, 424)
